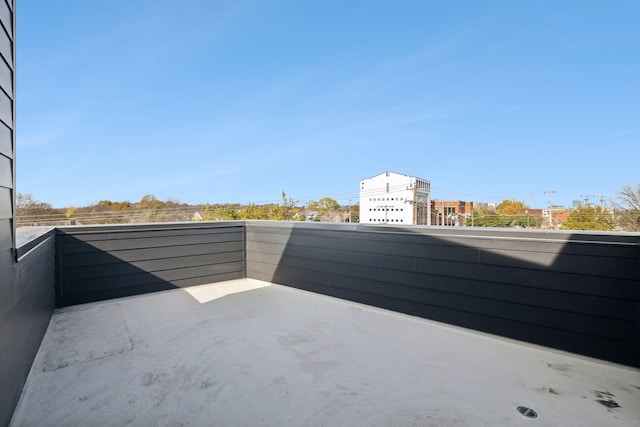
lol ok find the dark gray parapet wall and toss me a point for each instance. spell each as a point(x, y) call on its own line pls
point(103, 262)
point(567, 290)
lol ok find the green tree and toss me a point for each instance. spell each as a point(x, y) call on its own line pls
point(289, 209)
point(589, 218)
point(354, 212)
point(220, 212)
point(492, 220)
point(503, 221)
point(251, 211)
point(510, 207)
point(524, 221)
point(326, 208)
point(628, 210)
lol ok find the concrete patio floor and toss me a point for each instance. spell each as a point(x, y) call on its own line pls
point(250, 353)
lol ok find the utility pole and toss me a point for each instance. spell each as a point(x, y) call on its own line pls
point(415, 203)
point(473, 208)
point(549, 204)
point(586, 198)
point(551, 193)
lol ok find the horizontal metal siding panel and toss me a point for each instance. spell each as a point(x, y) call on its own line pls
point(6, 17)
point(110, 292)
point(96, 258)
point(579, 283)
point(345, 256)
point(76, 244)
point(541, 241)
point(118, 269)
point(622, 309)
point(6, 172)
point(535, 315)
point(6, 78)
point(6, 108)
point(6, 47)
point(6, 141)
point(597, 264)
point(560, 299)
point(6, 239)
point(137, 278)
point(6, 206)
point(127, 232)
point(617, 261)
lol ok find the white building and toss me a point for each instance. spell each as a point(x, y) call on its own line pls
point(393, 198)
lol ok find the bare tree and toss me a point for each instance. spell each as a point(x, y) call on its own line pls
point(628, 210)
point(26, 204)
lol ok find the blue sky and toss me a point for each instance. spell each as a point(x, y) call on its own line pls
point(235, 101)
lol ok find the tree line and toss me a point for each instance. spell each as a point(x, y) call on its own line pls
point(30, 212)
point(623, 215)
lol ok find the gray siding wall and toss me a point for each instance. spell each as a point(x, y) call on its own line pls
point(578, 292)
point(26, 306)
point(97, 263)
point(26, 286)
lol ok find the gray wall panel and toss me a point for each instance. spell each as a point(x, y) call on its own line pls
point(6, 17)
point(6, 205)
point(95, 263)
point(6, 108)
point(113, 240)
point(101, 268)
point(26, 305)
point(154, 266)
point(6, 142)
point(6, 172)
point(585, 304)
point(6, 78)
point(110, 292)
point(6, 47)
point(97, 258)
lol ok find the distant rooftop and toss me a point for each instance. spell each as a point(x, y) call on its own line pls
point(247, 352)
